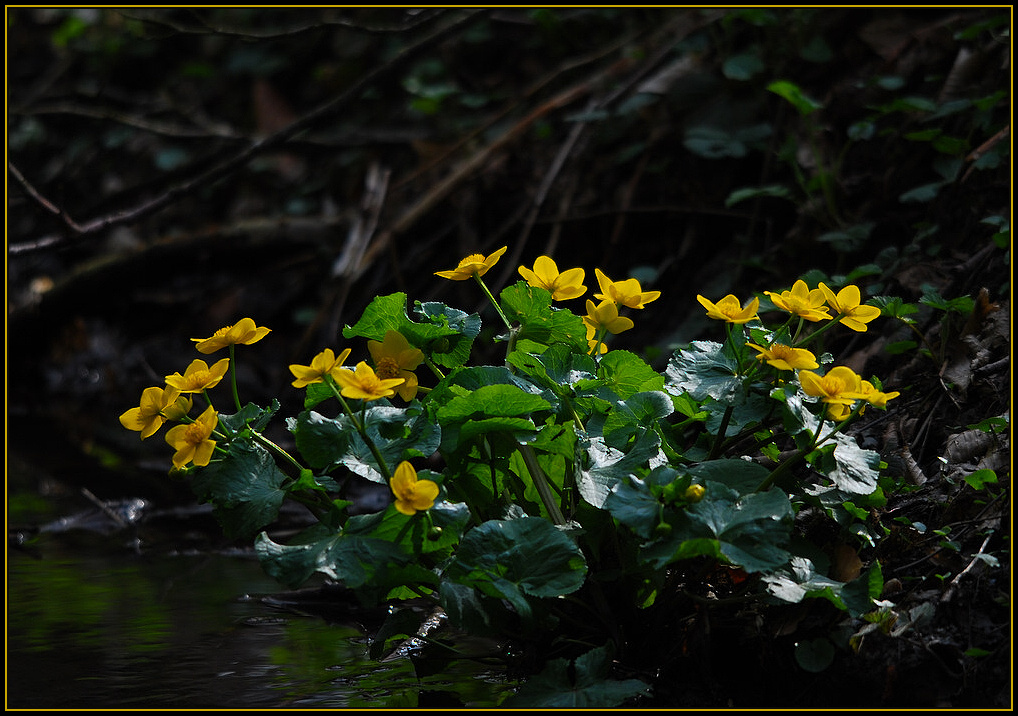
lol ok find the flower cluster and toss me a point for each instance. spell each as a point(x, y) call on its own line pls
point(840, 387)
point(192, 439)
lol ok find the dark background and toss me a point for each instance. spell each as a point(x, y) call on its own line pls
point(173, 170)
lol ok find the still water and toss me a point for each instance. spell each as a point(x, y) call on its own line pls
point(95, 621)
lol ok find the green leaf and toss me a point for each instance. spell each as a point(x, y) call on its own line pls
point(585, 686)
point(855, 470)
point(626, 374)
point(704, 371)
point(748, 531)
point(491, 401)
point(713, 143)
point(599, 467)
point(743, 66)
point(516, 560)
point(244, 489)
point(981, 478)
point(751, 192)
point(530, 306)
point(794, 94)
point(637, 414)
point(741, 476)
point(799, 580)
point(398, 433)
point(389, 313)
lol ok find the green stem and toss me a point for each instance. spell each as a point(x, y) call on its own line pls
point(716, 448)
point(541, 483)
point(833, 322)
point(361, 428)
point(434, 368)
point(493, 302)
point(233, 376)
point(280, 451)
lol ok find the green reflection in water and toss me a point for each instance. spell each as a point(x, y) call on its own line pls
point(91, 624)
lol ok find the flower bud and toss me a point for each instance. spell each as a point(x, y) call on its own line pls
point(694, 493)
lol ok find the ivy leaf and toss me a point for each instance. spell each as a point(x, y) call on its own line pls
point(584, 686)
point(704, 371)
point(245, 489)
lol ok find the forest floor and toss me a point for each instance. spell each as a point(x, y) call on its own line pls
point(173, 170)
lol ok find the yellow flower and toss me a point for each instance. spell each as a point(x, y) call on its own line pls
point(472, 265)
point(323, 364)
point(180, 407)
point(563, 286)
point(847, 303)
point(841, 385)
point(150, 414)
point(243, 331)
point(624, 293)
point(592, 341)
point(802, 302)
point(412, 494)
point(192, 441)
point(362, 383)
point(875, 397)
point(396, 358)
point(198, 376)
point(785, 357)
point(838, 412)
point(729, 309)
point(605, 315)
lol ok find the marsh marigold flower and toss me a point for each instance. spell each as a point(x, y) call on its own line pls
point(192, 441)
point(362, 383)
point(592, 341)
point(473, 265)
point(802, 302)
point(199, 376)
point(605, 315)
point(847, 303)
point(243, 331)
point(394, 357)
point(875, 397)
point(323, 364)
point(785, 357)
point(150, 414)
point(729, 309)
point(841, 385)
point(563, 286)
point(412, 495)
point(624, 293)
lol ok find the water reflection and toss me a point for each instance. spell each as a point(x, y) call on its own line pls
point(93, 626)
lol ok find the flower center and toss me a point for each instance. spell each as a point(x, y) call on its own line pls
point(195, 434)
point(222, 332)
point(198, 379)
point(781, 352)
point(832, 385)
point(472, 259)
point(387, 368)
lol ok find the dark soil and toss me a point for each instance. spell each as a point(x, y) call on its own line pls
point(174, 170)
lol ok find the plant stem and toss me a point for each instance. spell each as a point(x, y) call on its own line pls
point(493, 302)
point(541, 483)
point(361, 429)
point(720, 438)
point(233, 376)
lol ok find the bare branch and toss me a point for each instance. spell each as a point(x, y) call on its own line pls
point(242, 157)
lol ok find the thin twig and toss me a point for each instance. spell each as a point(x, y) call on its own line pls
point(272, 141)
